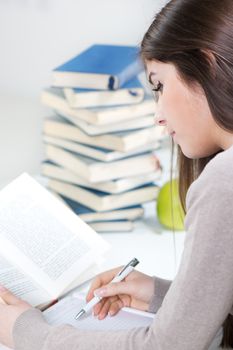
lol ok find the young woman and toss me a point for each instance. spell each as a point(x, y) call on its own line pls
point(188, 54)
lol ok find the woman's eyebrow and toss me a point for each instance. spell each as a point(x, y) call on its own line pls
point(149, 78)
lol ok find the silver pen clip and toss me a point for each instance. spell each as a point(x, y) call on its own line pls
point(133, 263)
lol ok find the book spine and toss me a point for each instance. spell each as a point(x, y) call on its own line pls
point(131, 71)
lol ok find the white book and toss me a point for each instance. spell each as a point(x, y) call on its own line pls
point(45, 249)
point(130, 93)
point(112, 226)
point(99, 153)
point(91, 129)
point(113, 216)
point(55, 99)
point(54, 171)
point(65, 311)
point(100, 201)
point(124, 141)
point(96, 171)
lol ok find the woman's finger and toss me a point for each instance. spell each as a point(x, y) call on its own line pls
point(104, 310)
point(94, 285)
point(116, 288)
point(100, 280)
point(115, 307)
point(97, 308)
point(8, 297)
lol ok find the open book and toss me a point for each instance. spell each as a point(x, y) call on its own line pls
point(45, 249)
point(65, 311)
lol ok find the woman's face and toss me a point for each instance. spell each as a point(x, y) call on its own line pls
point(184, 111)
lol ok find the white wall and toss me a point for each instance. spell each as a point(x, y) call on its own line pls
point(38, 35)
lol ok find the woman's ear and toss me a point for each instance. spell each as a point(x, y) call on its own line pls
point(211, 59)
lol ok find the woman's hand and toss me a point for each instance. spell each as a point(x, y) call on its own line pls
point(11, 308)
point(134, 291)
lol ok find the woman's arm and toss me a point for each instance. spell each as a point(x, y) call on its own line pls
point(161, 287)
point(197, 301)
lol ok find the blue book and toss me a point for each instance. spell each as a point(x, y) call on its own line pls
point(89, 215)
point(104, 67)
point(130, 93)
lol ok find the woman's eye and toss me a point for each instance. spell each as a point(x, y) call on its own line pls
point(157, 89)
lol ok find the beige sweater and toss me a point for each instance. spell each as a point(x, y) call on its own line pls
point(191, 309)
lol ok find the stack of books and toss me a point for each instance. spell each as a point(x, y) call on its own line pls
point(100, 141)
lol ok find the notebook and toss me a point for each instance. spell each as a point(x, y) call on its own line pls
point(64, 312)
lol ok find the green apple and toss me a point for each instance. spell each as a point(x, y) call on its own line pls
point(167, 203)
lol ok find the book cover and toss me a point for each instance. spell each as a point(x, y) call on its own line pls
point(100, 66)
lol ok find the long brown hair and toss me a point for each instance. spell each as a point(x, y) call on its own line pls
point(196, 36)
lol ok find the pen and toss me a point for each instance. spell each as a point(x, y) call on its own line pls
point(125, 271)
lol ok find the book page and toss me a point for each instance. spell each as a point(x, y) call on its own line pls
point(87, 275)
point(19, 284)
point(64, 313)
point(43, 237)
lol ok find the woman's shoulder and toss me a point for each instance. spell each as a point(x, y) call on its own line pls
point(221, 164)
point(219, 168)
point(215, 178)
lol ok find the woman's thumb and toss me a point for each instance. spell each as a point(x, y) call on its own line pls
point(111, 289)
